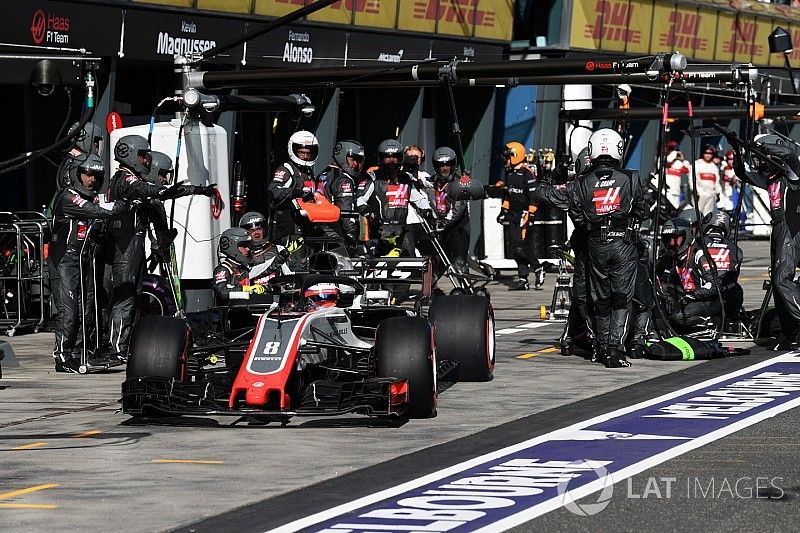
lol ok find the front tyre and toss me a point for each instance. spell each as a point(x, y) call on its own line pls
point(464, 333)
point(404, 349)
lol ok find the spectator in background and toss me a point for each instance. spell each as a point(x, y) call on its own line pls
point(707, 174)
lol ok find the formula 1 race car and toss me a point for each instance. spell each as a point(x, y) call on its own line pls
point(293, 357)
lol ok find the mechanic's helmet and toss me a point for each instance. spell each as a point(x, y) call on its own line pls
point(129, 149)
point(322, 295)
point(252, 220)
point(352, 149)
point(514, 152)
point(160, 163)
point(606, 143)
point(719, 223)
point(689, 214)
point(89, 164)
point(86, 139)
point(676, 234)
point(303, 140)
point(390, 147)
point(230, 241)
point(582, 161)
point(444, 155)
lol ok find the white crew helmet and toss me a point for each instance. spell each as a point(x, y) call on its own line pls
point(303, 139)
point(606, 142)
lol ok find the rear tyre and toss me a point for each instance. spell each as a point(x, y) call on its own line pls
point(159, 346)
point(404, 349)
point(464, 333)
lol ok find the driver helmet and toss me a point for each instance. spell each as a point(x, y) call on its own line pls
point(229, 243)
point(129, 149)
point(322, 295)
point(303, 140)
point(352, 149)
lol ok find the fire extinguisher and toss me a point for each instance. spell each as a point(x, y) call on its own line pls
point(239, 192)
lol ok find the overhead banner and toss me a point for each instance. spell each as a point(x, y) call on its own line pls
point(64, 26)
point(299, 46)
point(162, 36)
point(713, 32)
point(485, 19)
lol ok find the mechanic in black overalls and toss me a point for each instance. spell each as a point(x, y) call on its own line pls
point(452, 215)
point(75, 211)
point(783, 187)
point(341, 183)
point(124, 247)
point(610, 202)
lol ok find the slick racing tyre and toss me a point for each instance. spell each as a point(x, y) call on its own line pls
point(404, 349)
point(159, 346)
point(464, 331)
point(156, 297)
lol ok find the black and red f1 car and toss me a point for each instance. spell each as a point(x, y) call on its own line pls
point(354, 357)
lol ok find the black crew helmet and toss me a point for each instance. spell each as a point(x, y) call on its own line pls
point(673, 229)
point(230, 241)
point(251, 220)
point(160, 163)
point(719, 222)
point(90, 133)
point(390, 147)
point(127, 152)
point(348, 148)
point(88, 164)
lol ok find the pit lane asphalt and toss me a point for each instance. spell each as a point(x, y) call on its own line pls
point(63, 444)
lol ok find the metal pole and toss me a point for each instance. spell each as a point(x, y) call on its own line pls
point(652, 113)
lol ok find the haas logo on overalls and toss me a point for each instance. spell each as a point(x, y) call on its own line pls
point(606, 200)
point(397, 195)
point(441, 202)
point(721, 257)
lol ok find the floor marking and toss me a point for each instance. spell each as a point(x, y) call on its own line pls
point(20, 492)
point(621, 440)
point(506, 331)
point(89, 433)
point(551, 349)
point(527, 355)
point(188, 461)
point(28, 506)
point(534, 325)
point(29, 446)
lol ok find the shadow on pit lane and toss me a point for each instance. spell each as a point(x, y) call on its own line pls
point(260, 423)
point(71, 440)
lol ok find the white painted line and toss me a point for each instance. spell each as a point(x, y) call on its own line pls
point(579, 492)
point(507, 331)
point(534, 325)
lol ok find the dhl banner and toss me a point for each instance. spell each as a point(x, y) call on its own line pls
point(712, 32)
point(485, 19)
point(229, 6)
point(377, 13)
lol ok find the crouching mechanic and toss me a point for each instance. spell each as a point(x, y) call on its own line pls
point(686, 279)
point(267, 259)
point(610, 202)
point(72, 254)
